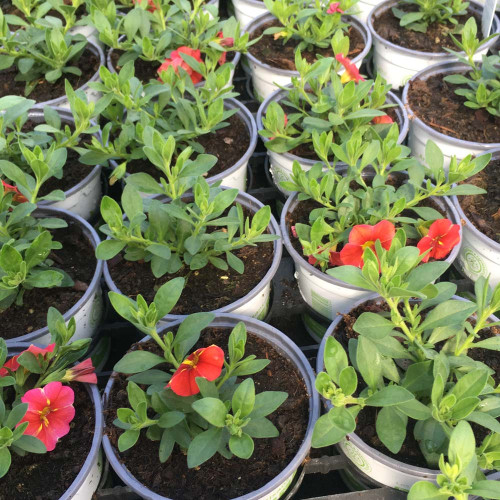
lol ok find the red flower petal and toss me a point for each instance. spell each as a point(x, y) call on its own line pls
point(360, 234)
point(384, 231)
point(335, 259)
point(382, 119)
point(352, 255)
point(210, 362)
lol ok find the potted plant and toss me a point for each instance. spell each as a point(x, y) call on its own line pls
point(206, 119)
point(424, 365)
point(314, 28)
point(302, 122)
point(480, 250)
point(225, 243)
point(34, 59)
point(44, 249)
point(45, 415)
point(329, 218)
point(408, 37)
point(57, 135)
point(466, 119)
point(191, 394)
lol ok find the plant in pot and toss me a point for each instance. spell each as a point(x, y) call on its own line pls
point(188, 395)
point(206, 119)
point(45, 415)
point(425, 361)
point(57, 138)
point(35, 59)
point(409, 36)
point(466, 118)
point(319, 109)
point(330, 217)
point(226, 244)
point(314, 28)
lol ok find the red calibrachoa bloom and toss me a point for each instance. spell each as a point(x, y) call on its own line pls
point(382, 119)
point(18, 197)
point(364, 236)
point(175, 60)
point(205, 362)
point(50, 410)
point(151, 6)
point(443, 235)
point(224, 42)
point(82, 372)
point(351, 71)
point(334, 8)
point(12, 363)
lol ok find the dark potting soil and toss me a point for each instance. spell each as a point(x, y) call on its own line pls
point(436, 37)
point(48, 476)
point(483, 210)
point(78, 260)
point(219, 478)
point(275, 54)
point(228, 144)
point(434, 101)
point(44, 91)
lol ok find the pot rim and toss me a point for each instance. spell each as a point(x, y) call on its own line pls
point(97, 51)
point(298, 259)
point(255, 3)
point(94, 284)
point(464, 219)
point(440, 68)
point(98, 432)
point(391, 96)
point(285, 346)
point(250, 203)
point(387, 4)
point(267, 16)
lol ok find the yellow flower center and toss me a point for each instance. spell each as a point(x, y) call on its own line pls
point(44, 413)
point(368, 244)
point(192, 362)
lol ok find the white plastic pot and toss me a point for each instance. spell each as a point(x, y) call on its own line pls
point(255, 303)
point(364, 7)
point(84, 198)
point(398, 64)
point(479, 255)
point(266, 79)
point(89, 31)
point(246, 11)
point(420, 132)
point(323, 293)
point(275, 488)
point(89, 309)
point(281, 164)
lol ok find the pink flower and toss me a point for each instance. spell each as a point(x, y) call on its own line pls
point(82, 372)
point(12, 363)
point(382, 119)
point(334, 8)
point(50, 410)
point(175, 60)
point(294, 232)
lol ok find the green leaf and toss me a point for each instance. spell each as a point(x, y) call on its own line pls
point(266, 402)
point(241, 446)
point(244, 398)
point(486, 489)
point(167, 296)
point(171, 418)
point(5, 460)
point(335, 358)
point(107, 249)
point(423, 490)
point(189, 332)
point(128, 439)
point(390, 395)
point(462, 446)
point(351, 275)
point(391, 428)
point(485, 420)
point(15, 415)
point(261, 428)
point(31, 444)
point(138, 361)
point(333, 427)
point(492, 343)
point(213, 410)
point(203, 447)
point(166, 445)
point(369, 362)
point(373, 325)
point(447, 313)
point(470, 385)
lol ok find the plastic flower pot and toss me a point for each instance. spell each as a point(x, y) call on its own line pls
point(479, 255)
point(420, 132)
point(364, 7)
point(256, 302)
point(278, 486)
point(325, 294)
point(281, 164)
point(88, 310)
point(82, 199)
point(266, 79)
point(398, 64)
point(248, 10)
point(85, 483)
point(92, 95)
point(89, 31)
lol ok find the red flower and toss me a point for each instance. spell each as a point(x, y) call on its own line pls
point(364, 236)
point(443, 235)
point(18, 197)
point(206, 362)
point(312, 260)
point(12, 363)
point(151, 6)
point(50, 410)
point(82, 372)
point(176, 61)
point(335, 259)
point(294, 231)
point(351, 71)
point(382, 119)
point(224, 42)
point(334, 8)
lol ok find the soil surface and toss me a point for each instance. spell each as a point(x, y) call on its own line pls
point(228, 144)
point(44, 91)
point(483, 210)
point(434, 101)
point(275, 54)
point(78, 260)
point(219, 478)
point(436, 37)
point(48, 476)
